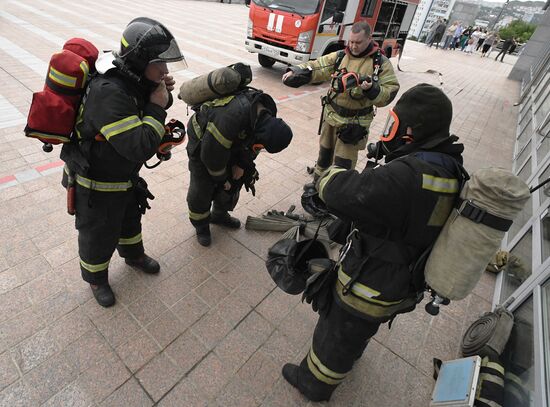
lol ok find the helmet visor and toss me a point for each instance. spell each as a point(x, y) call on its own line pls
point(390, 129)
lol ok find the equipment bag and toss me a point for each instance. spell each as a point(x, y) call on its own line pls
point(220, 82)
point(53, 110)
point(488, 203)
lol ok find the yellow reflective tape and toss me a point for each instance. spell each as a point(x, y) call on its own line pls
point(491, 378)
point(196, 127)
point(130, 240)
point(438, 184)
point(103, 186)
point(37, 134)
point(198, 216)
point(319, 375)
point(496, 366)
point(325, 370)
point(94, 268)
point(211, 127)
point(357, 288)
point(325, 179)
point(86, 71)
point(123, 41)
point(214, 173)
point(120, 126)
point(155, 124)
point(61, 78)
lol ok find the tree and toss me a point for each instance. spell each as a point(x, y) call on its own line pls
point(518, 29)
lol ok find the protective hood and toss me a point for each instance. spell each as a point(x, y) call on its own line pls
point(272, 133)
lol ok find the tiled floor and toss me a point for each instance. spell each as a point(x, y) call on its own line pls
point(211, 329)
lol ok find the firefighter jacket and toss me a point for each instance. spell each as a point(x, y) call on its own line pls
point(221, 130)
point(116, 111)
point(380, 94)
point(398, 209)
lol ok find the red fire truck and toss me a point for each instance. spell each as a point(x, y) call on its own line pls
point(295, 31)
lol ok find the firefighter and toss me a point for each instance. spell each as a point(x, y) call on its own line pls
point(347, 111)
point(225, 137)
point(397, 211)
point(120, 125)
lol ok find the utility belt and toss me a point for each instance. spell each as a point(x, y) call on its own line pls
point(345, 112)
point(102, 186)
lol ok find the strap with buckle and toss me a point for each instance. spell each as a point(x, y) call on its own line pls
point(476, 214)
point(344, 112)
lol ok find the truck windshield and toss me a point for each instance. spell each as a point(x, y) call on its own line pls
point(302, 7)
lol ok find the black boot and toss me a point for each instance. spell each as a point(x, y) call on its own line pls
point(103, 294)
point(291, 374)
point(203, 235)
point(145, 264)
point(224, 219)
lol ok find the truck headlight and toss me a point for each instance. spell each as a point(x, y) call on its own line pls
point(304, 41)
point(250, 28)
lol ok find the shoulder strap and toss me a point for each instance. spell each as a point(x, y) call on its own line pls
point(376, 64)
point(339, 57)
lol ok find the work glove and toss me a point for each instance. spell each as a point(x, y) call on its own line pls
point(174, 135)
point(142, 195)
point(320, 285)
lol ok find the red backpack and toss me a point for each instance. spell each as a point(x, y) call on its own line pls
point(53, 110)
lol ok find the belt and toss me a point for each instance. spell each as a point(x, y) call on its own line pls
point(344, 112)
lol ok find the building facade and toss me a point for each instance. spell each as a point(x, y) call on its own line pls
point(427, 12)
point(524, 285)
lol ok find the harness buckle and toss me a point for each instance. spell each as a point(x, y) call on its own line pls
point(471, 211)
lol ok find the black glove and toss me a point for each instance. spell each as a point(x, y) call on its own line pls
point(320, 285)
point(351, 133)
point(142, 195)
point(299, 77)
point(174, 135)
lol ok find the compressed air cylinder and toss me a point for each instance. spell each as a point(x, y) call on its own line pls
point(218, 83)
point(464, 247)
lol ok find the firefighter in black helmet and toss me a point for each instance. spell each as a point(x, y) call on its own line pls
point(397, 211)
point(120, 125)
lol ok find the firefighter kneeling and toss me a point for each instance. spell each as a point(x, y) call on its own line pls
point(225, 137)
point(397, 211)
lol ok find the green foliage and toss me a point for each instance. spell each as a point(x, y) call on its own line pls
point(518, 29)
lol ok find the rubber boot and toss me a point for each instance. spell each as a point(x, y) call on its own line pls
point(203, 235)
point(103, 294)
point(144, 263)
point(291, 374)
point(224, 219)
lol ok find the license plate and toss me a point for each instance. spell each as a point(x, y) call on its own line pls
point(270, 51)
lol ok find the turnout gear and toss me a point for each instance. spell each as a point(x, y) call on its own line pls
point(225, 133)
point(220, 82)
point(117, 130)
point(396, 211)
point(144, 263)
point(224, 219)
point(53, 111)
point(349, 105)
point(146, 41)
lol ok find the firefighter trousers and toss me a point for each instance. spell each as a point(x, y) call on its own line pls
point(106, 221)
point(332, 150)
point(340, 338)
point(203, 193)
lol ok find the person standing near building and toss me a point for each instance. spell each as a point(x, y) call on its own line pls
point(439, 31)
point(120, 125)
point(506, 45)
point(347, 111)
point(456, 36)
point(488, 44)
point(482, 37)
point(397, 211)
point(449, 34)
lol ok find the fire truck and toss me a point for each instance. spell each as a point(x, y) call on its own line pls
point(295, 31)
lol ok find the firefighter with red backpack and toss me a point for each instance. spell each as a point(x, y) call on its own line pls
point(120, 125)
point(361, 78)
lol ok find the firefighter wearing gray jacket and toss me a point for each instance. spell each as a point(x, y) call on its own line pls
point(348, 107)
point(397, 211)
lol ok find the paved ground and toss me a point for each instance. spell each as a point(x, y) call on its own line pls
point(211, 329)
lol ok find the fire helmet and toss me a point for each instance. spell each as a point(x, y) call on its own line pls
point(146, 41)
point(287, 262)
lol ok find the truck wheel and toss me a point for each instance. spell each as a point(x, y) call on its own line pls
point(265, 61)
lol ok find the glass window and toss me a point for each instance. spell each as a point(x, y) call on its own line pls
point(544, 191)
point(522, 156)
point(525, 171)
point(521, 219)
point(546, 329)
point(368, 8)
point(543, 149)
point(519, 266)
point(545, 230)
point(542, 110)
point(518, 359)
point(331, 6)
point(296, 6)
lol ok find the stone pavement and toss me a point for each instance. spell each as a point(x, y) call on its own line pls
point(211, 329)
